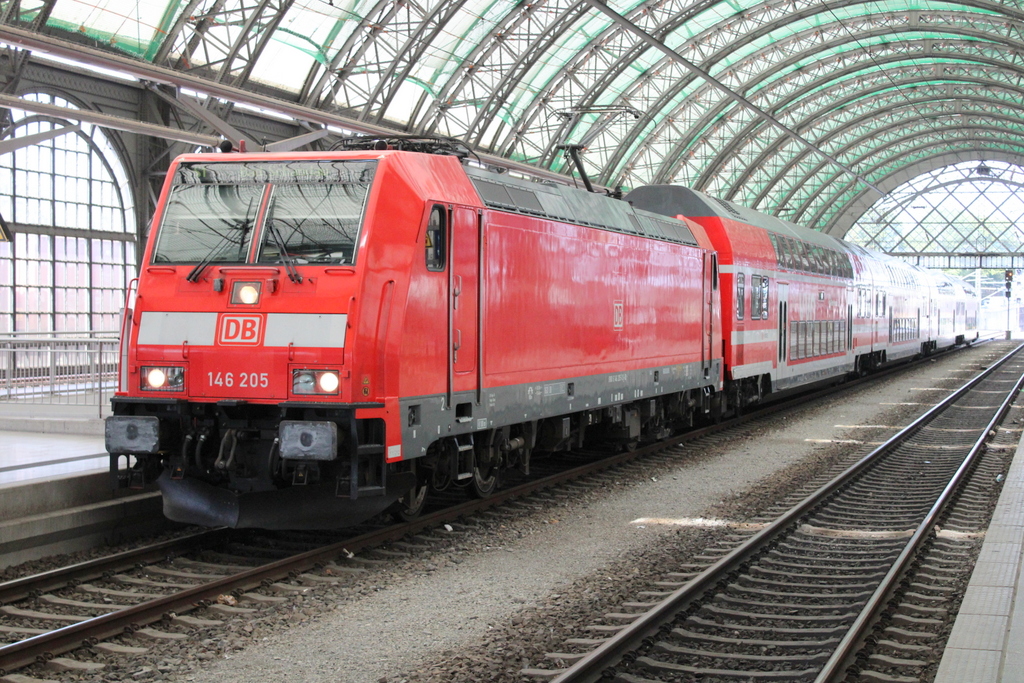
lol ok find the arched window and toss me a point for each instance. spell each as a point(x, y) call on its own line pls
point(69, 203)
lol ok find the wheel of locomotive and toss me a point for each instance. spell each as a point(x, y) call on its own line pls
point(411, 505)
point(485, 473)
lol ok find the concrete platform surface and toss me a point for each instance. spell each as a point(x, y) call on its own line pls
point(25, 456)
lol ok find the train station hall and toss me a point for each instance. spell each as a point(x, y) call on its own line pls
point(425, 341)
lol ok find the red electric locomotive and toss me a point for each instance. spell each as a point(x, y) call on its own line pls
point(317, 337)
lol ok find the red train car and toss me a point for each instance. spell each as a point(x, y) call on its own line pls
point(801, 307)
point(319, 337)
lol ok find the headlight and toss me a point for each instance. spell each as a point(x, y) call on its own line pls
point(247, 293)
point(315, 382)
point(163, 378)
point(328, 382)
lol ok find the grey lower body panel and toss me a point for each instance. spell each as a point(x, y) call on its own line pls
point(426, 419)
point(810, 376)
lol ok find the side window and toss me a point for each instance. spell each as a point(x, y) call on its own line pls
point(755, 297)
point(437, 239)
point(764, 298)
point(740, 294)
point(805, 258)
point(714, 271)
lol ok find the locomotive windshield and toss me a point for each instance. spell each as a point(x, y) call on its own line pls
point(299, 211)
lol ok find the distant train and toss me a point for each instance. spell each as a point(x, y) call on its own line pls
point(319, 337)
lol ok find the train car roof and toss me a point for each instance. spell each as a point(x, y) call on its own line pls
point(671, 200)
point(571, 205)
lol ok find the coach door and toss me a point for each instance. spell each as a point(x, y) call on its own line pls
point(710, 281)
point(782, 352)
point(464, 312)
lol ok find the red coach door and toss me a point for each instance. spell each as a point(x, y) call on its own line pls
point(782, 335)
point(465, 302)
point(710, 279)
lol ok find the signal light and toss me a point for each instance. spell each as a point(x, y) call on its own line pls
point(246, 293)
point(1009, 282)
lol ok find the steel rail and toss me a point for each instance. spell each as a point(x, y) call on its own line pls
point(612, 651)
point(54, 579)
point(25, 652)
point(854, 638)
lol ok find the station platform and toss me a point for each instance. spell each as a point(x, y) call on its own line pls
point(45, 441)
point(56, 494)
point(26, 456)
point(986, 644)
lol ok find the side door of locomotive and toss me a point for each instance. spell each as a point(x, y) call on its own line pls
point(464, 306)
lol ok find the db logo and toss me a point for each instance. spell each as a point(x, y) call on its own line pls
point(241, 329)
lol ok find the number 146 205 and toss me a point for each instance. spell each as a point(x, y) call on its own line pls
point(242, 380)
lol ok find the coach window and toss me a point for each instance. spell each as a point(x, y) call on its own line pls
point(755, 297)
point(805, 257)
point(436, 239)
point(740, 286)
point(764, 298)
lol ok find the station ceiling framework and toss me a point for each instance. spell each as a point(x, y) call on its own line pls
point(800, 108)
point(963, 216)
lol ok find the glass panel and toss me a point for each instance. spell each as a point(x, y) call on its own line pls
point(212, 223)
point(740, 295)
point(315, 223)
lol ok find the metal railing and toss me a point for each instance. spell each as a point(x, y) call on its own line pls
point(64, 370)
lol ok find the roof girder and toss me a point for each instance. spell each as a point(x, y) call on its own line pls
point(973, 147)
point(722, 109)
point(684, 82)
point(880, 134)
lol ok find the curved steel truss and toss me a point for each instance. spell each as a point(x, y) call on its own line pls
point(876, 87)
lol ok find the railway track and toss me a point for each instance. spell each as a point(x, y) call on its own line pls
point(854, 581)
point(153, 592)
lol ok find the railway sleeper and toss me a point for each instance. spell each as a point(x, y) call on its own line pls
point(808, 658)
point(654, 665)
point(811, 632)
point(693, 636)
point(841, 618)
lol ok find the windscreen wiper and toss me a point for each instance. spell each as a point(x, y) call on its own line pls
point(243, 225)
point(193, 275)
point(286, 258)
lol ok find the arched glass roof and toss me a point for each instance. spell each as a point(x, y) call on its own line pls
point(874, 90)
point(972, 207)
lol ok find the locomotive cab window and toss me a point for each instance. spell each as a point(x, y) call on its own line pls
point(437, 239)
point(313, 212)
